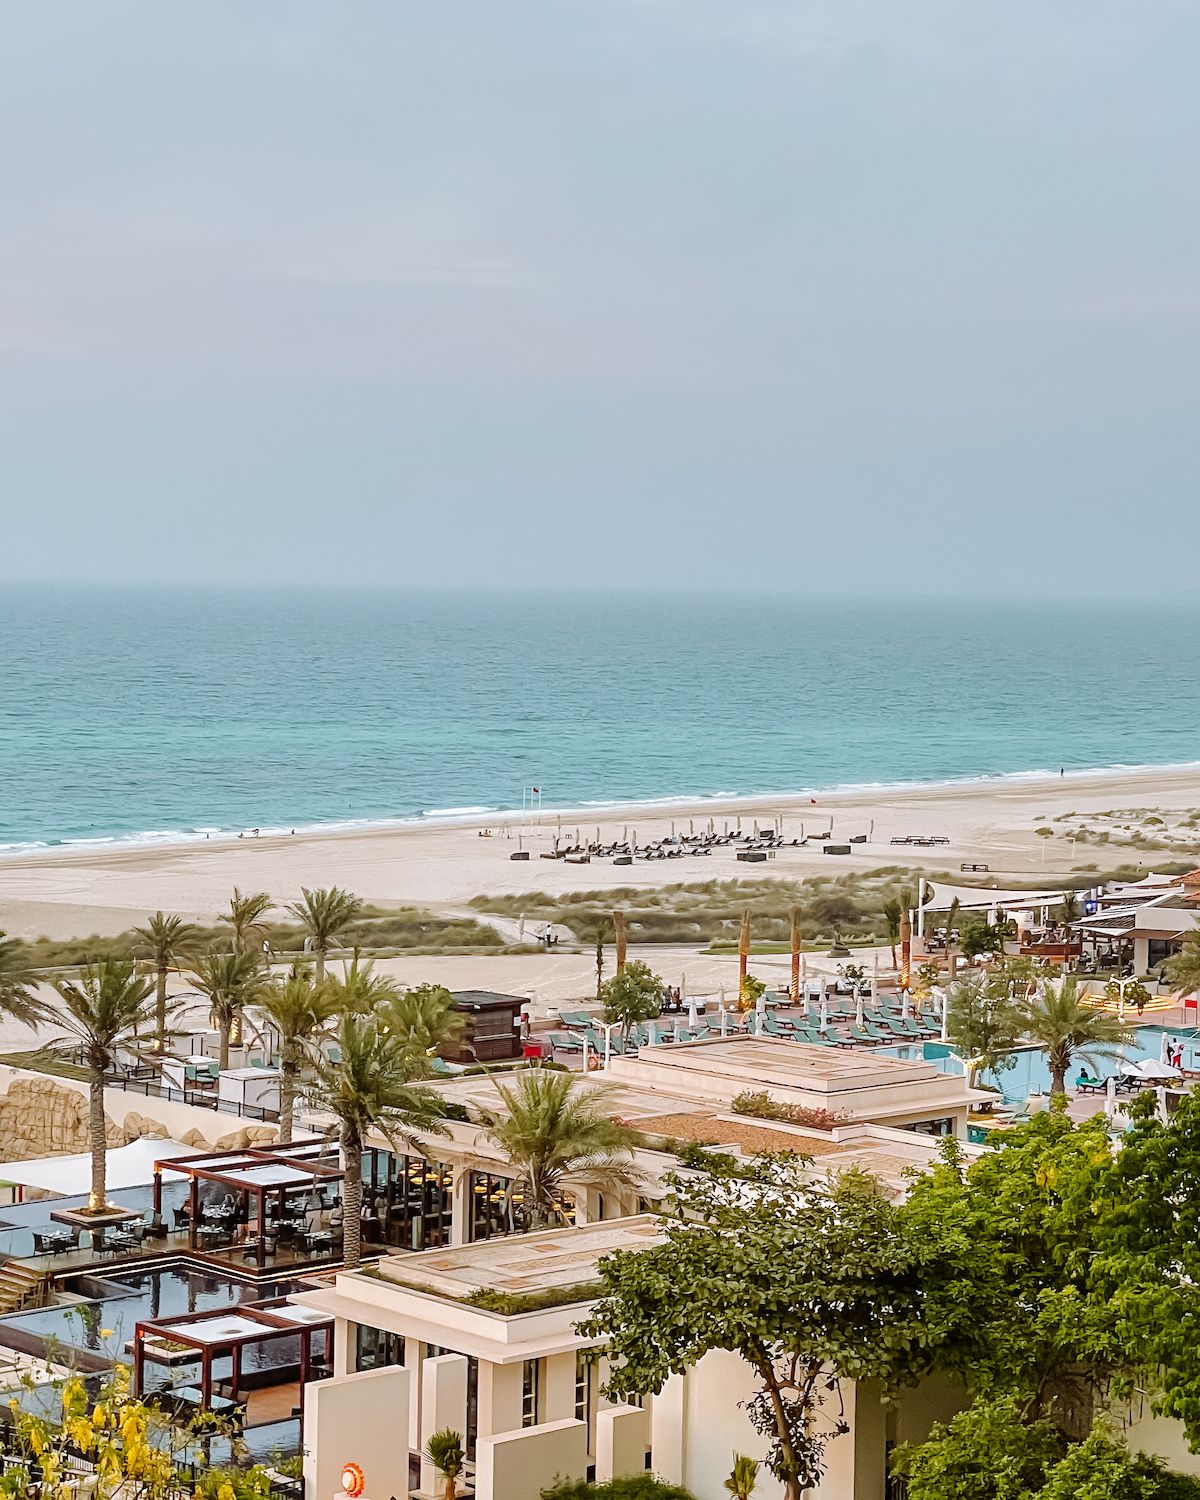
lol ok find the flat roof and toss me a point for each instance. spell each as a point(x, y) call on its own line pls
point(763, 1060)
point(522, 1262)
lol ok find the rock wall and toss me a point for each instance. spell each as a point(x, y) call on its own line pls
point(42, 1116)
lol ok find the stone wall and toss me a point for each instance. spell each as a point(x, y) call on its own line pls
point(43, 1116)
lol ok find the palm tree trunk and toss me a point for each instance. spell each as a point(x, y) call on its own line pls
point(1058, 1080)
point(287, 1096)
point(319, 966)
point(160, 1008)
point(223, 1058)
point(351, 1198)
point(98, 1136)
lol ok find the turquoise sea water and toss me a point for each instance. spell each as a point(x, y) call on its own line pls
point(156, 713)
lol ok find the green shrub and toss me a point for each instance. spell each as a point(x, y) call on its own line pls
point(635, 1487)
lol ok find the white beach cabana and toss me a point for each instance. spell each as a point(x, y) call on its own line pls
point(71, 1176)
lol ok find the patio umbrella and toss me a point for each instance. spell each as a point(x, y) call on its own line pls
point(1157, 1070)
point(858, 1005)
point(1164, 1045)
point(693, 1013)
point(1110, 1096)
point(824, 1009)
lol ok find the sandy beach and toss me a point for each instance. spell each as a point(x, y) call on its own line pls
point(104, 888)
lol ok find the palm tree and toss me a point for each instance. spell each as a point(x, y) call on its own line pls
point(170, 941)
point(325, 915)
point(423, 1019)
point(893, 915)
point(371, 1087)
point(444, 1450)
point(553, 1129)
point(231, 981)
point(300, 1013)
point(1183, 968)
point(1065, 1028)
point(102, 1011)
point(245, 916)
point(18, 985)
point(360, 991)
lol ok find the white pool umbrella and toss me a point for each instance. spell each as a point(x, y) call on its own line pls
point(1157, 1070)
point(1110, 1096)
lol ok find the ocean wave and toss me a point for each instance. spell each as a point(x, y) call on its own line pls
point(582, 811)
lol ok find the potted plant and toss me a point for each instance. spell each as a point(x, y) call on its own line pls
point(743, 1477)
point(444, 1450)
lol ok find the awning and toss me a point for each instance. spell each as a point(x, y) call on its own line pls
point(69, 1176)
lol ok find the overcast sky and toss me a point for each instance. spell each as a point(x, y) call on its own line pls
point(604, 291)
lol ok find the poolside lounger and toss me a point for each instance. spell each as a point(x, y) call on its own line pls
point(561, 1041)
point(1086, 1085)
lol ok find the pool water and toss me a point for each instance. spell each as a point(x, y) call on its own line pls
point(99, 1326)
point(1030, 1074)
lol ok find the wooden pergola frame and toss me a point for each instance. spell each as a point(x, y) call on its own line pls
point(304, 1158)
point(271, 1326)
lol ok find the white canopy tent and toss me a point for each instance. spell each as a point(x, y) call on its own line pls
point(70, 1176)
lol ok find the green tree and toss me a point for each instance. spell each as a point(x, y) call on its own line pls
point(557, 1133)
point(1057, 1020)
point(977, 938)
point(991, 1452)
point(18, 984)
point(988, 1452)
point(360, 991)
point(809, 1285)
point(632, 996)
point(445, 1452)
point(325, 915)
point(301, 1014)
point(371, 1087)
point(1011, 1249)
point(245, 916)
point(424, 1019)
point(103, 1010)
point(1182, 969)
point(230, 982)
point(983, 1023)
point(169, 942)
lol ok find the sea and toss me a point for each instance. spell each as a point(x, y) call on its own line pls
point(160, 714)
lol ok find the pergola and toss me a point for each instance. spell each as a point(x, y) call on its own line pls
point(226, 1331)
point(259, 1174)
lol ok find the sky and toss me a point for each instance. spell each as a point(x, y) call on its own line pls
point(819, 295)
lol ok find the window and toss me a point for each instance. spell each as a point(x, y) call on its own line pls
point(529, 1392)
point(585, 1365)
point(376, 1347)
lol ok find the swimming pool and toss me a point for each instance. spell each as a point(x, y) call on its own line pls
point(98, 1326)
point(1030, 1074)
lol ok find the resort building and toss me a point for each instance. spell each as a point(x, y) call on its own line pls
point(464, 1190)
point(420, 1345)
point(1143, 924)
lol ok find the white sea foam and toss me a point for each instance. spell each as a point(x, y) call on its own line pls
point(582, 811)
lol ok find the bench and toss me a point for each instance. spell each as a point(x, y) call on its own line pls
point(974, 869)
point(836, 849)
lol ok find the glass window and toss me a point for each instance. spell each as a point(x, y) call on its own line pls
point(529, 1392)
point(585, 1365)
point(376, 1347)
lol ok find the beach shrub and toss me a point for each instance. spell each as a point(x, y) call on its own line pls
point(631, 1487)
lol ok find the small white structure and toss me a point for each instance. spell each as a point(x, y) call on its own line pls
point(253, 1088)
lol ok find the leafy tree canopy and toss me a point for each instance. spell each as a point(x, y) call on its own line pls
point(807, 1283)
point(632, 996)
